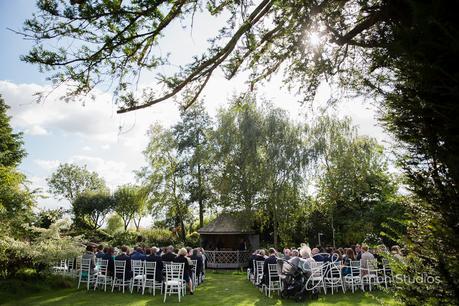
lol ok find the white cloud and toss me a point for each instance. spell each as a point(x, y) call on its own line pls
point(48, 165)
point(115, 173)
point(36, 130)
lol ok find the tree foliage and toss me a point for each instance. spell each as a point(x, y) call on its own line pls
point(192, 134)
point(11, 144)
point(129, 203)
point(91, 208)
point(355, 190)
point(70, 180)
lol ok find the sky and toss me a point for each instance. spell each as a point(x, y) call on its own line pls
point(111, 144)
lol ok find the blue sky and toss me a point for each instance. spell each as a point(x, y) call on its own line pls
point(56, 132)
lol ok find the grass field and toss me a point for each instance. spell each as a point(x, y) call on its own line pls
point(220, 288)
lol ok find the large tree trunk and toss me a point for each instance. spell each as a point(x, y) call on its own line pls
point(200, 198)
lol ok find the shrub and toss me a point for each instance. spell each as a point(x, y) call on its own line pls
point(126, 238)
point(193, 239)
point(159, 237)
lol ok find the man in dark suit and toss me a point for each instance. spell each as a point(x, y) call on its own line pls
point(272, 259)
point(169, 256)
point(125, 256)
point(99, 252)
point(137, 254)
point(152, 257)
point(316, 256)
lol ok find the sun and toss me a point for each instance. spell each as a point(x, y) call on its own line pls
point(314, 39)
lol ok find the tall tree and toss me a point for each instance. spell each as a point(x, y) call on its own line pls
point(91, 208)
point(238, 178)
point(192, 133)
point(354, 188)
point(16, 200)
point(166, 172)
point(285, 156)
point(69, 181)
point(128, 204)
point(11, 144)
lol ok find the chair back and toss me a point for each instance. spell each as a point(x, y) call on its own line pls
point(137, 267)
point(85, 268)
point(150, 270)
point(71, 263)
point(272, 272)
point(372, 266)
point(102, 266)
point(120, 269)
point(259, 266)
point(195, 264)
point(355, 267)
point(78, 262)
point(174, 271)
point(334, 270)
point(317, 268)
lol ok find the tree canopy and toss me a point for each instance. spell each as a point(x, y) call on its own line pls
point(70, 180)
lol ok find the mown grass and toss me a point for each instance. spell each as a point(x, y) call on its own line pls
point(220, 288)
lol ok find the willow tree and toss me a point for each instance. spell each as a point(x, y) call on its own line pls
point(402, 53)
point(165, 174)
point(192, 134)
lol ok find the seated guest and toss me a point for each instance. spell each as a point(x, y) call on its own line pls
point(272, 259)
point(365, 257)
point(108, 255)
point(251, 259)
point(357, 251)
point(316, 255)
point(137, 254)
point(169, 255)
point(90, 255)
point(199, 262)
point(306, 257)
point(287, 254)
point(100, 252)
point(350, 256)
point(294, 253)
point(152, 257)
point(260, 256)
point(181, 258)
point(204, 258)
point(125, 256)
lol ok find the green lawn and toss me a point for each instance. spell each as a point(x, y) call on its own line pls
point(220, 288)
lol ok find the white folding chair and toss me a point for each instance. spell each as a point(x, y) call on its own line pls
point(174, 280)
point(369, 273)
point(386, 272)
point(86, 274)
point(316, 280)
point(258, 271)
point(119, 279)
point(61, 267)
point(333, 278)
point(102, 277)
point(193, 273)
point(138, 276)
point(353, 279)
point(150, 278)
point(274, 282)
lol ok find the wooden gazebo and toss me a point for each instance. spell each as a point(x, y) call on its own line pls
point(228, 241)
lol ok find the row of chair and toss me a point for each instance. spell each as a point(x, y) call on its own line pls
point(328, 275)
point(143, 276)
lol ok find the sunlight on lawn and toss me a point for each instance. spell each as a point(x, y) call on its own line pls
point(218, 289)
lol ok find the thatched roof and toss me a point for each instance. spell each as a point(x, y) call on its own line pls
point(226, 224)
